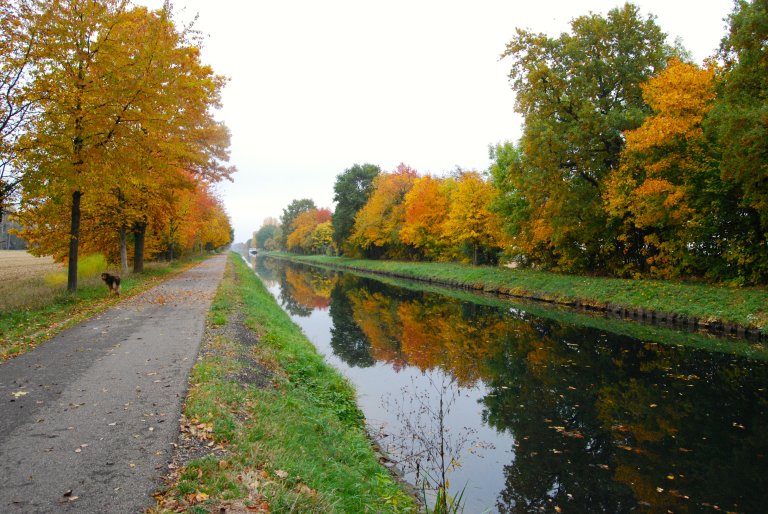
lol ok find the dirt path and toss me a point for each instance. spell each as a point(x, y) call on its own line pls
point(87, 420)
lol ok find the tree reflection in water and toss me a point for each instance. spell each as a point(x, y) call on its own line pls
point(600, 422)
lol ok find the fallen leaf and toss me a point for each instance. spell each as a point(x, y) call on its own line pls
point(281, 474)
point(19, 394)
point(304, 489)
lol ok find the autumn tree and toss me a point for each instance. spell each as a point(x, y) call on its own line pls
point(350, 192)
point(470, 224)
point(81, 78)
point(426, 205)
point(322, 239)
point(290, 213)
point(181, 143)
point(578, 92)
point(660, 190)
point(378, 222)
point(303, 237)
point(126, 117)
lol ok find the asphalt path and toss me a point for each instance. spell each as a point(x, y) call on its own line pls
point(87, 419)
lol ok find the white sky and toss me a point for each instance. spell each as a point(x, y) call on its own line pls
point(319, 85)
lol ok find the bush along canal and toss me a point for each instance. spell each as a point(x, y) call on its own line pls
point(518, 408)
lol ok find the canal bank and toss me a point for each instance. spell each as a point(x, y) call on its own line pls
point(267, 426)
point(740, 312)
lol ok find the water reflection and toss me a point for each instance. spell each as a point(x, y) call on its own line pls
point(595, 422)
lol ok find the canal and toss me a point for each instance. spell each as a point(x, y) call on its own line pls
point(527, 409)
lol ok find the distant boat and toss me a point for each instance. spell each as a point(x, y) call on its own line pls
point(252, 251)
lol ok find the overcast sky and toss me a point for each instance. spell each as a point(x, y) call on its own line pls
point(317, 86)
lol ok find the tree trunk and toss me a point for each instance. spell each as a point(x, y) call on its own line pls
point(123, 251)
point(74, 235)
point(138, 249)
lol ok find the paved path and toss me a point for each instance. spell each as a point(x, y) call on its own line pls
point(94, 411)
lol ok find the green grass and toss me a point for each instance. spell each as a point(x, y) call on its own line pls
point(36, 310)
point(297, 444)
point(747, 307)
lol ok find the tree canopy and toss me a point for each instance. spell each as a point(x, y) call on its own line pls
point(578, 93)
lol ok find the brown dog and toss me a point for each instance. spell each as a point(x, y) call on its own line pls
point(113, 282)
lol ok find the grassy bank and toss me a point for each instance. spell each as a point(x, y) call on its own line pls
point(33, 310)
point(279, 429)
point(707, 304)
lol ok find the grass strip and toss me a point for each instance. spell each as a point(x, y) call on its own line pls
point(54, 309)
point(745, 307)
point(289, 434)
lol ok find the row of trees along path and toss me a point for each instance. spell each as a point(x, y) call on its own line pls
point(106, 127)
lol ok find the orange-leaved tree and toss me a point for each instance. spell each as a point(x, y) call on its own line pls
point(426, 205)
point(304, 230)
point(378, 223)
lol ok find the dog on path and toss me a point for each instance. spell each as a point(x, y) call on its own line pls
point(113, 282)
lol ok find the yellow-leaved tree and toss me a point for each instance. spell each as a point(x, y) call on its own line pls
point(125, 126)
point(655, 189)
point(471, 225)
point(426, 206)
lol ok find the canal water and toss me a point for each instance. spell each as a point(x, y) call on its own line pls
point(525, 409)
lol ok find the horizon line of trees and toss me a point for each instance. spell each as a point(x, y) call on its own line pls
point(634, 162)
point(108, 141)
